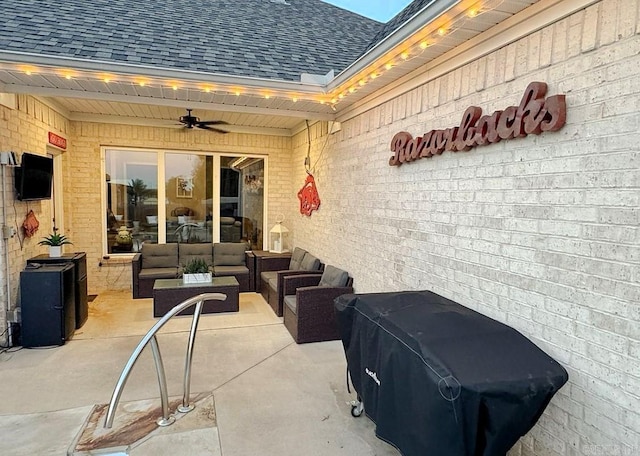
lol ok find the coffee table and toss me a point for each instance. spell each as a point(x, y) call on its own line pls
point(167, 293)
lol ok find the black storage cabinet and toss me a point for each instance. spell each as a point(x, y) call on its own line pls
point(438, 378)
point(47, 296)
point(79, 260)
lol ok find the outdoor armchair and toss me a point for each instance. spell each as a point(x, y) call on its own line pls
point(271, 282)
point(309, 312)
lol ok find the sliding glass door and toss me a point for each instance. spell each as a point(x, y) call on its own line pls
point(161, 197)
point(188, 197)
point(242, 200)
point(131, 200)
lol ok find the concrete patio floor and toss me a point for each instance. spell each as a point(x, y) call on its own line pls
point(271, 397)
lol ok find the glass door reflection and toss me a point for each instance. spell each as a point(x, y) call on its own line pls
point(189, 198)
point(242, 200)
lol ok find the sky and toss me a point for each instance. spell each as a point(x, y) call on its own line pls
point(380, 10)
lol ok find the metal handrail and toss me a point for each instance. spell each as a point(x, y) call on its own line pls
point(150, 337)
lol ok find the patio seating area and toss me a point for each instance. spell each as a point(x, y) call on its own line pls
point(269, 397)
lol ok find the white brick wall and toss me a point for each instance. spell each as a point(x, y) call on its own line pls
point(542, 233)
point(23, 129)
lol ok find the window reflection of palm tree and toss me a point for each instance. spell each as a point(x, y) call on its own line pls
point(138, 192)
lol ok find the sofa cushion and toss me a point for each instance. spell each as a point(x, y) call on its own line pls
point(266, 276)
point(159, 255)
point(230, 270)
point(158, 273)
point(333, 277)
point(188, 252)
point(290, 302)
point(229, 254)
point(309, 263)
point(296, 258)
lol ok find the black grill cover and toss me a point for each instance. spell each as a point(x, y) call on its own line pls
point(440, 379)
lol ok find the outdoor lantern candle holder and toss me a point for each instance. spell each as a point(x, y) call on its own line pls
point(278, 238)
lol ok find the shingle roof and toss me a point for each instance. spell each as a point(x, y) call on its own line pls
point(257, 38)
point(395, 22)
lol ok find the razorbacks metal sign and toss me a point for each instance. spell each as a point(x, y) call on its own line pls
point(534, 115)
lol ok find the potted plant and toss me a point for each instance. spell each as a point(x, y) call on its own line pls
point(55, 242)
point(196, 271)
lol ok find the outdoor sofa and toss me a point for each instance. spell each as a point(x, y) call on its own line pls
point(165, 261)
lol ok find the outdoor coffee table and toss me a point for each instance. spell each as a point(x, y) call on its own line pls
point(167, 293)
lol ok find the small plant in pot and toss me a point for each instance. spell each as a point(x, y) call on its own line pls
point(196, 271)
point(55, 241)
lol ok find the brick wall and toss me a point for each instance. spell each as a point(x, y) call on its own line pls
point(82, 196)
point(23, 129)
point(541, 233)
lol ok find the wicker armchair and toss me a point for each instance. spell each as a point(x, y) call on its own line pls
point(309, 312)
point(271, 281)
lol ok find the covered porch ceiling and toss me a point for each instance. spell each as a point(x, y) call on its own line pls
point(95, 91)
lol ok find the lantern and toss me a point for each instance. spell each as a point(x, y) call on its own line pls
point(278, 238)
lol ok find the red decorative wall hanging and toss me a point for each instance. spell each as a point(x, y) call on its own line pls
point(308, 196)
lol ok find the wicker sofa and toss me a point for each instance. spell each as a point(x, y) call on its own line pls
point(309, 312)
point(165, 261)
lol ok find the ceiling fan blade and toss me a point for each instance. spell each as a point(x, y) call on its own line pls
point(217, 130)
point(212, 122)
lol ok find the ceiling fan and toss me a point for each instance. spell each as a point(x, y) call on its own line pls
point(190, 121)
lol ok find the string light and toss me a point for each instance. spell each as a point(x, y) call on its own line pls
point(411, 49)
point(415, 49)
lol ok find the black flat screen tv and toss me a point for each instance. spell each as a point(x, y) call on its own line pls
point(34, 177)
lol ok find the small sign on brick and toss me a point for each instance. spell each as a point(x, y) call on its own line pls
point(58, 141)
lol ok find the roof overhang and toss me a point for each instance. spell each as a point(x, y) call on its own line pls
point(434, 31)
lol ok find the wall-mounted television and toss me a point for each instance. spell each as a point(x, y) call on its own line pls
point(34, 177)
